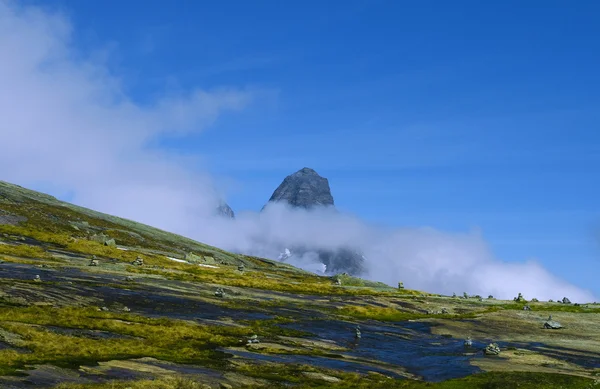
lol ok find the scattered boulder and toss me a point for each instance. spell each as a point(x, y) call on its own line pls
point(111, 243)
point(465, 295)
point(445, 311)
point(534, 300)
point(100, 238)
point(527, 308)
point(129, 279)
point(400, 285)
point(492, 349)
point(566, 300)
point(37, 278)
point(551, 324)
point(94, 261)
point(490, 297)
point(241, 267)
point(126, 309)
point(454, 295)
point(191, 257)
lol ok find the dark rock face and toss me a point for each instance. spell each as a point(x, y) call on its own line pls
point(304, 189)
point(225, 210)
point(342, 260)
point(307, 189)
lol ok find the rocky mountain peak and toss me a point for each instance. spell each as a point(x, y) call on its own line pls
point(225, 210)
point(307, 189)
point(304, 189)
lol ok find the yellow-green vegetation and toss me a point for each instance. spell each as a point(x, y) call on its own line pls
point(161, 383)
point(23, 250)
point(166, 339)
point(551, 307)
point(282, 375)
point(371, 312)
point(307, 377)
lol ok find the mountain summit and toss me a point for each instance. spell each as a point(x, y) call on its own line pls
point(304, 189)
point(308, 190)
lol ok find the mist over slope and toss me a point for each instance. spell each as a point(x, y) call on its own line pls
point(69, 127)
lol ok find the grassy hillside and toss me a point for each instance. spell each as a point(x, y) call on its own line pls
point(89, 300)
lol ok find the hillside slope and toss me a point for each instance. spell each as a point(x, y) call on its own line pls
point(89, 300)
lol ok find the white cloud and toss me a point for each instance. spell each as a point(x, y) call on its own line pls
point(67, 124)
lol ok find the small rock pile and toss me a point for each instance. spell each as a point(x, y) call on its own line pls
point(253, 339)
point(139, 261)
point(492, 349)
point(551, 324)
point(220, 292)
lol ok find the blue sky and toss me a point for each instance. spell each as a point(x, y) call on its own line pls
point(454, 115)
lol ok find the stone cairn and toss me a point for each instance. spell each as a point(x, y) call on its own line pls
point(139, 261)
point(220, 293)
point(492, 349)
point(357, 333)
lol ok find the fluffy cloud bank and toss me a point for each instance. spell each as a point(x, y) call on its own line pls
point(68, 126)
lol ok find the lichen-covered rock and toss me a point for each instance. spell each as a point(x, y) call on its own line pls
point(220, 293)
